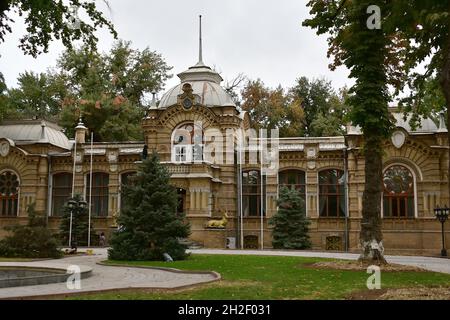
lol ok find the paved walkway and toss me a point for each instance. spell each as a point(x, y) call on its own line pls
point(104, 277)
point(428, 263)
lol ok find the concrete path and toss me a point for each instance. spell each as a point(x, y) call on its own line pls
point(428, 263)
point(105, 277)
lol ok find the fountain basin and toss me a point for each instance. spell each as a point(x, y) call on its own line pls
point(17, 276)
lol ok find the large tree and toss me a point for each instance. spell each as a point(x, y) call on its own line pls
point(149, 225)
point(425, 28)
point(108, 90)
point(309, 108)
point(324, 109)
point(37, 95)
point(46, 20)
point(371, 54)
point(290, 224)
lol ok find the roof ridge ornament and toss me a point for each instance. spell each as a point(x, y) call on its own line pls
point(442, 127)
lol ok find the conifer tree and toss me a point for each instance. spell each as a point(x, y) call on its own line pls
point(290, 223)
point(149, 224)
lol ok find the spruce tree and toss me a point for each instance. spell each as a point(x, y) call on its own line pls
point(290, 223)
point(149, 224)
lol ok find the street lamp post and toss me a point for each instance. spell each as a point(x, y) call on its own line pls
point(442, 215)
point(75, 206)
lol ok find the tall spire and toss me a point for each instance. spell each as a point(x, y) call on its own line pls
point(200, 55)
point(200, 48)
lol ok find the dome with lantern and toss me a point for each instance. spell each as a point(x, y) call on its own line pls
point(205, 85)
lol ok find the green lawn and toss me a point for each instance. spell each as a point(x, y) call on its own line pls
point(269, 277)
point(2, 259)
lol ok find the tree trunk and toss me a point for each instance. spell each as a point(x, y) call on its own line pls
point(371, 236)
point(445, 85)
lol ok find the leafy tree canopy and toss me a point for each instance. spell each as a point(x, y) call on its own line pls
point(47, 20)
point(309, 108)
point(107, 89)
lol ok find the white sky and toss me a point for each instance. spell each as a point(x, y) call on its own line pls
point(260, 38)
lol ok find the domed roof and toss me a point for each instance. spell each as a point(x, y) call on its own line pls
point(34, 131)
point(205, 83)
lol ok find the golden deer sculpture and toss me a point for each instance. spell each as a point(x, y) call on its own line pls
point(218, 223)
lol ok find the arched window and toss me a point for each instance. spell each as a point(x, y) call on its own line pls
point(125, 179)
point(9, 194)
point(61, 191)
point(331, 193)
point(187, 143)
point(251, 194)
point(100, 193)
point(293, 179)
point(398, 192)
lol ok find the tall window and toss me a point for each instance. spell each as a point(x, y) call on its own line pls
point(181, 207)
point(331, 193)
point(61, 191)
point(187, 143)
point(294, 179)
point(398, 192)
point(251, 193)
point(9, 194)
point(100, 193)
point(125, 179)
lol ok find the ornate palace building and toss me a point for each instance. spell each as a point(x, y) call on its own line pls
point(39, 164)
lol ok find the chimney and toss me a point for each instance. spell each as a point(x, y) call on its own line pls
point(80, 132)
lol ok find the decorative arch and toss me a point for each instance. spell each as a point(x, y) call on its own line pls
point(174, 115)
point(411, 165)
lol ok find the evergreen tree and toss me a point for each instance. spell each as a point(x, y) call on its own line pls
point(149, 224)
point(33, 240)
point(290, 223)
point(80, 223)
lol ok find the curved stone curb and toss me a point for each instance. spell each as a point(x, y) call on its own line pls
point(215, 274)
point(174, 270)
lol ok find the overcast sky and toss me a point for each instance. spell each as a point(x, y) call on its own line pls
point(262, 39)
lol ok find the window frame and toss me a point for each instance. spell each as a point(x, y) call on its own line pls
point(414, 193)
point(187, 152)
point(257, 194)
point(17, 195)
point(340, 192)
point(103, 187)
point(53, 196)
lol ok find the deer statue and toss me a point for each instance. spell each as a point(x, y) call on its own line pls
point(219, 223)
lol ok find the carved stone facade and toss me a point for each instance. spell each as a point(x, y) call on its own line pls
point(197, 141)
